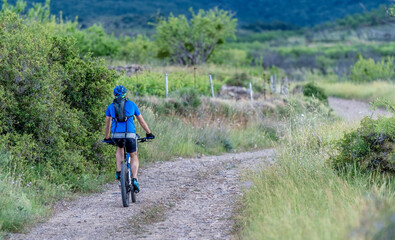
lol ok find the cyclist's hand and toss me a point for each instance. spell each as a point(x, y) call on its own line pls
point(107, 140)
point(150, 136)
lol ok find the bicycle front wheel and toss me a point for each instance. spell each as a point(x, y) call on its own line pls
point(125, 185)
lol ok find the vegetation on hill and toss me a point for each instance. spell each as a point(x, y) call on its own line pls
point(129, 14)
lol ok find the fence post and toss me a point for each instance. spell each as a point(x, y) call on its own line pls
point(281, 85)
point(275, 83)
point(211, 85)
point(271, 84)
point(137, 85)
point(167, 87)
point(285, 85)
point(252, 99)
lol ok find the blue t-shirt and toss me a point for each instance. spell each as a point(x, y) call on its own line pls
point(130, 110)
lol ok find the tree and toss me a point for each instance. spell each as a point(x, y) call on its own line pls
point(192, 42)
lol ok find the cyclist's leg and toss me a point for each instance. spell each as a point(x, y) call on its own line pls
point(119, 156)
point(134, 164)
point(131, 148)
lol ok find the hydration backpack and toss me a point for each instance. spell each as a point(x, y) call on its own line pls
point(120, 114)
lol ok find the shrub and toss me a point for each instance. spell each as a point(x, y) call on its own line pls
point(367, 70)
point(52, 101)
point(138, 49)
point(239, 79)
point(370, 148)
point(312, 90)
point(189, 97)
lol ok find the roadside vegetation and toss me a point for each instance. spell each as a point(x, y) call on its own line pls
point(330, 181)
point(366, 92)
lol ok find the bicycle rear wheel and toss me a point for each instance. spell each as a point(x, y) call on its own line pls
point(133, 194)
point(125, 185)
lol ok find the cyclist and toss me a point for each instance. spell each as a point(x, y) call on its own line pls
point(124, 132)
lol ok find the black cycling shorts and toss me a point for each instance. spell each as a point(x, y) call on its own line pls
point(130, 143)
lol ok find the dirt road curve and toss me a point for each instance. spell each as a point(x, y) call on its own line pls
point(352, 110)
point(182, 199)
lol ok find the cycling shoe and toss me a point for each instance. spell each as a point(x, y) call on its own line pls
point(135, 185)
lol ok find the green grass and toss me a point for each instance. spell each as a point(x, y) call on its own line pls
point(301, 197)
point(365, 92)
point(214, 127)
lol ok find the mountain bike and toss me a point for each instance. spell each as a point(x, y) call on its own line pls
point(127, 188)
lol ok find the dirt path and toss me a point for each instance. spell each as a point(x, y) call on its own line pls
point(182, 199)
point(352, 110)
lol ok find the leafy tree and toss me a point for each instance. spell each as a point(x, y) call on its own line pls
point(391, 10)
point(192, 42)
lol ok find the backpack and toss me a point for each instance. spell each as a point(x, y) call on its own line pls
point(120, 114)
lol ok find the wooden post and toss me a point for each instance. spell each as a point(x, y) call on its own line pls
point(137, 85)
point(275, 83)
point(194, 76)
point(166, 86)
point(252, 99)
point(264, 89)
point(211, 85)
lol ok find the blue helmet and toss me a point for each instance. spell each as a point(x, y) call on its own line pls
point(120, 91)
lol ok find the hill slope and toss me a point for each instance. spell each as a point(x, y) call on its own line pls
point(299, 13)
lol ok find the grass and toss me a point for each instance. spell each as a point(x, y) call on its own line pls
point(213, 128)
point(23, 203)
point(365, 92)
point(301, 197)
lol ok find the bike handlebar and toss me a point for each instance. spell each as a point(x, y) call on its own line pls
point(139, 139)
point(144, 139)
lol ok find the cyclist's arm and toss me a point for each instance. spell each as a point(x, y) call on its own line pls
point(143, 123)
point(108, 127)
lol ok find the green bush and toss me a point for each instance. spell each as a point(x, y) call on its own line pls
point(239, 79)
point(367, 70)
point(52, 101)
point(189, 97)
point(312, 90)
point(138, 49)
point(370, 148)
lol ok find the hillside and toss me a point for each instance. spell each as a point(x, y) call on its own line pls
point(123, 14)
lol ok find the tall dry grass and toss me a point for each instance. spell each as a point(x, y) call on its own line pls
point(302, 197)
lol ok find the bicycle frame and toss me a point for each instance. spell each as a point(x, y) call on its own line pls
point(127, 160)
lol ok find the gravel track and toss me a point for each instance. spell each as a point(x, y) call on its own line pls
point(181, 199)
point(352, 110)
